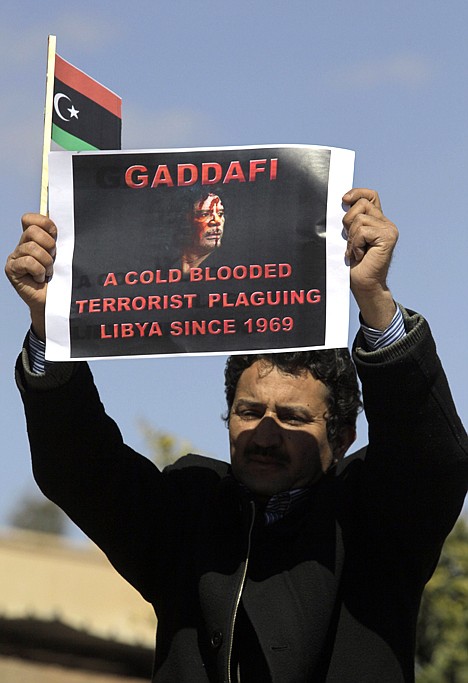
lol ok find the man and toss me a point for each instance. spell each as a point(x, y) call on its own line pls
point(292, 565)
point(206, 228)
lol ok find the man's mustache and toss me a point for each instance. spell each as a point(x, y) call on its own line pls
point(267, 452)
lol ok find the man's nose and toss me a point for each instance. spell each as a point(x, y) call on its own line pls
point(267, 432)
point(215, 218)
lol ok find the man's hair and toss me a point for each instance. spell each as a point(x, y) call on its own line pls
point(333, 367)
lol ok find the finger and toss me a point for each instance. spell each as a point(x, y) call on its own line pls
point(373, 226)
point(17, 269)
point(368, 232)
point(29, 259)
point(43, 222)
point(357, 193)
point(37, 235)
point(362, 208)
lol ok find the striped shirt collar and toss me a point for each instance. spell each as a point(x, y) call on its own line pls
point(281, 504)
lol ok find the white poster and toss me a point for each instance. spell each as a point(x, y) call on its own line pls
point(198, 251)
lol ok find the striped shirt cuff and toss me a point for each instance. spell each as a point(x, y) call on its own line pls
point(377, 339)
point(36, 351)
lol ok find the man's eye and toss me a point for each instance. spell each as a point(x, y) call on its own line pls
point(248, 414)
point(293, 419)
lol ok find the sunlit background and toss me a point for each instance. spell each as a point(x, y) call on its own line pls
point(385, 79)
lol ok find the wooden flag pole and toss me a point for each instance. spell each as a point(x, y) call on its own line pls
point(49, 103)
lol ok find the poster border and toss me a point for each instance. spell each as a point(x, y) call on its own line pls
point(58, 343)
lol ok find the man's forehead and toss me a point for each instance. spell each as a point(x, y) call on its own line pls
point(263, 379)
point(208, 203)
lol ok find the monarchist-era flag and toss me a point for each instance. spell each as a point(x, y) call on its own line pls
point(86, 115)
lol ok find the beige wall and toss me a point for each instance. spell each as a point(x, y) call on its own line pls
point(17, 671)
point(49, 578)
point(57, 594)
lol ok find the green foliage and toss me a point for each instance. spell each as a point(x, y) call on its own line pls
point(165, 448)
point(38, 514)
point(442, 647)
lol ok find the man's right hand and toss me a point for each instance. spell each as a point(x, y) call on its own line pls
point(30, 266)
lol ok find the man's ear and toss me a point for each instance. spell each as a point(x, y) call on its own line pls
point(346, 437)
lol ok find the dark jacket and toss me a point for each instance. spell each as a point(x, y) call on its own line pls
point(331, 592)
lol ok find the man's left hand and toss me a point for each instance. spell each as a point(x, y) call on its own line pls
point(371, 241)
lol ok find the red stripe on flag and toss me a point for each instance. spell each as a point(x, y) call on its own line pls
point(78, 80)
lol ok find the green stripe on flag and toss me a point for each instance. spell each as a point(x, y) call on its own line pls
point(69, 142)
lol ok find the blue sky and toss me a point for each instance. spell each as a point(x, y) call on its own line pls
point(385, 79)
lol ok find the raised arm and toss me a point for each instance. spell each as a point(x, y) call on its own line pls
point(371, 241)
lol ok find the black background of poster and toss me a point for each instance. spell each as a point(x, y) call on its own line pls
point(120, 229)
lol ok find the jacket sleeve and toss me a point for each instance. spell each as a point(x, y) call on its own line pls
point(415, 474)
point(116, 496)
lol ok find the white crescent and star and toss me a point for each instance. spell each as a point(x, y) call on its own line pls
point(73, 112)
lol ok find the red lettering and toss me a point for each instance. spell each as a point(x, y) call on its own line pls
point(234, 172)
point(176, 328)
point(229, 326)
point(256, 299)
point(224, 273)
point(196, 274)
point(162, 177)
point(203, 327)
point(127, 330)
point(255, 272)
point(94, 305)
point(108, 305)
point(159, 277)
point(192, 177)
point(242, 300)
point(137, 177)
point(254, 168)
point(213, 299)
point(146, 277)
point(214, 327)
point(110, 280)
point(142, 179)
point(123, 303)
point(175, 275)
point(141, 327)
point(190, 298)
point(273, 168)
point(239, 272)
point(218, 172)
point(195, 327)
point(81, 305)
point(139, 303)
point(155, 329)
point(313, 296)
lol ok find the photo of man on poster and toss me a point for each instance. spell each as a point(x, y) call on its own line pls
point(202, 234)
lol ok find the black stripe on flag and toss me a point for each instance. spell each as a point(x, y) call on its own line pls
point(92, 123)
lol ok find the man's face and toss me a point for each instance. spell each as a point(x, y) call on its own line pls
point(278, 430)
point(208, 223)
